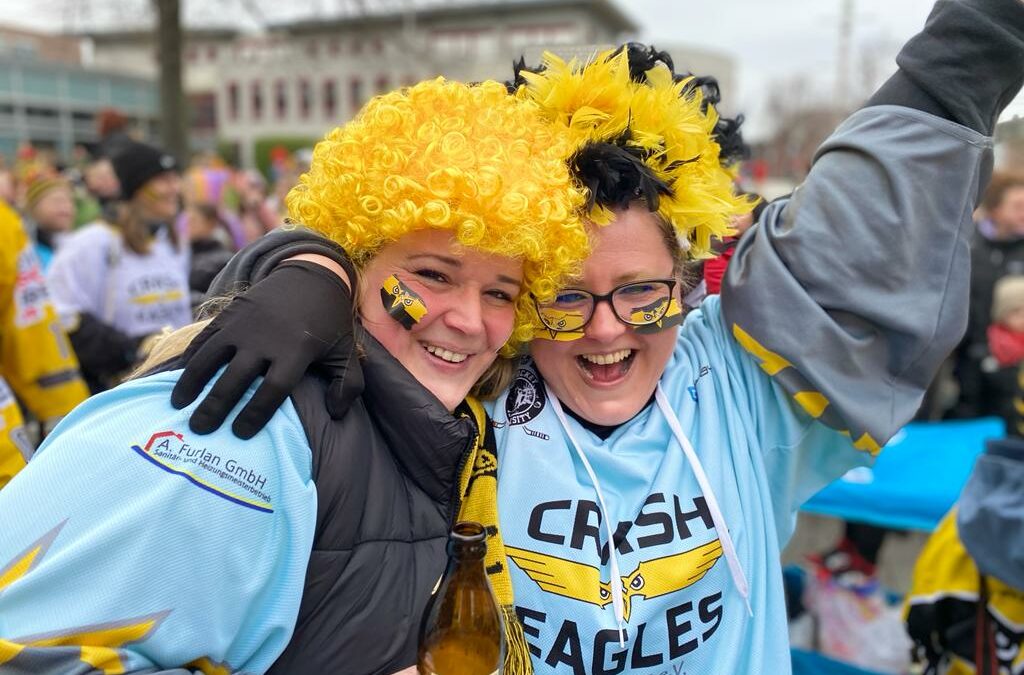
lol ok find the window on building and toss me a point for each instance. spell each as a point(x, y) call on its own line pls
point(256, 90)
point(382, 84)
point(40, 113)
point(191, 54)
point(330, 99)
point(355, 93)
point(211, 52)
point(25, 49)
point(464, 41)
point(541, 34)
point(311, 49)
point(357, 46)
point(378, 45)
point(334, 47)
point(281, 99)
point(233, 101)
point(202, 111)
point(305, 98)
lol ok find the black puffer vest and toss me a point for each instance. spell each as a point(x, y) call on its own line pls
point(385, 478)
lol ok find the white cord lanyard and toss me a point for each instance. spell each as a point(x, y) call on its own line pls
point(735, 570)
point(616, 584)
point(717, 518)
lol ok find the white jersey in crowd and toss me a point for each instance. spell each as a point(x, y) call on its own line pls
point(94, 272)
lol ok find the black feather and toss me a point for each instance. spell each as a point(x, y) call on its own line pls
point(615, 176)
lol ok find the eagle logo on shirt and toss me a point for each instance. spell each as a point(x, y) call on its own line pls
point(651, 579)
point(98, 645)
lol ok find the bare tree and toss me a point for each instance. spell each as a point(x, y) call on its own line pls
point(802, 118)
point(173, 121)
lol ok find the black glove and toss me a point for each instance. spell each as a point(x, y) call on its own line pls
point(300, 315)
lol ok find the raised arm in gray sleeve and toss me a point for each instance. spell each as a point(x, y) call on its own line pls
point(853, 291)
point(966, 65)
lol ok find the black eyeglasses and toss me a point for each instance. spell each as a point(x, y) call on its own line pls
point(637, 303)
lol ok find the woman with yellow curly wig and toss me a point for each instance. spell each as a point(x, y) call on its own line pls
point(313, 548)
point(648, 466)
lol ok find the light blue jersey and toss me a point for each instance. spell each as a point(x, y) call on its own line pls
point(157, 547)
point(763, 456)
point(811, 360)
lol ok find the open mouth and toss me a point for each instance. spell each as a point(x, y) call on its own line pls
point(446, 355)
point(606, 368)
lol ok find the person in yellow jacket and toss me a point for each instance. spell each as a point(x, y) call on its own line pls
point(37, 366)
point(965, 609)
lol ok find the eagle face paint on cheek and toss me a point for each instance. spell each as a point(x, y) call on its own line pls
point(402, 303)
point(559, 318)
point(673, 317)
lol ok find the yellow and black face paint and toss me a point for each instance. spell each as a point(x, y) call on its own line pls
point(673, 316)
point(561, 320)
point(402, 303)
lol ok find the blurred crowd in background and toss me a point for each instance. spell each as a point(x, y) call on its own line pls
point(213, 209)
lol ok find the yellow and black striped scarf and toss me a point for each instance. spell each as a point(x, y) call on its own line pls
point(478, 486)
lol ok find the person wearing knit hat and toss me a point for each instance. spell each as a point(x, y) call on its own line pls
point(137, 163)
point(49, 211)
point(116, 283)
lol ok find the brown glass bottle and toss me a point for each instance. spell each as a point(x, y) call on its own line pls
point(461, 632)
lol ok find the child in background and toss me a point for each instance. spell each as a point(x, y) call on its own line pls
point(1006, 332)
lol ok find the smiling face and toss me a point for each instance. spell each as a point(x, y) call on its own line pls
point(608, 375)
point(469, 298)
point(158, 199)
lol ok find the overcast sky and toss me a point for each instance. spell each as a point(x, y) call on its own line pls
point(772, 42)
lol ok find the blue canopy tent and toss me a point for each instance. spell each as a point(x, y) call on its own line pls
point(915, 480)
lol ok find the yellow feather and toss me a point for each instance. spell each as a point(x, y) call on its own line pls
point(597, 101)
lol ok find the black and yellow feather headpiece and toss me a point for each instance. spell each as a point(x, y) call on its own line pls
point(658, 122)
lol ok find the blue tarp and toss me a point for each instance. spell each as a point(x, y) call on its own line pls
point(915, 480)
point(809, 663)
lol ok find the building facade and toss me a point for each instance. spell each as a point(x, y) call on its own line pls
point(301, 79)
point(53, 104)
point(298, 80)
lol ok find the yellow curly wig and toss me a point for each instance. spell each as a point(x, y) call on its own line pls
point(597, 102)
point(467, 158)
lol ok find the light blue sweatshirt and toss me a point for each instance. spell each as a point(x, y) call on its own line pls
point(156, 546)
point(853, 348)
